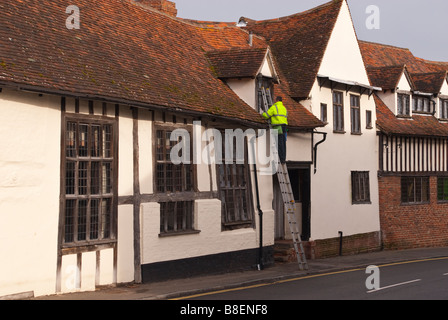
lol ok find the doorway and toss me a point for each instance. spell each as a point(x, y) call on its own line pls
point(300, 177)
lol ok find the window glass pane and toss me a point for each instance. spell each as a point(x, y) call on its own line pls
point(106, 215)
point(107, 141)
point(70, 177)
point(188, 177)
point(70, 140)
point(95, 173)
point(69, 225)
point(94, 218)
point(169, 181)
point(82, 220)
point(159, 146)
point(425, 189)
point(107, 178)
point(95, 141)
point(82, 177)
point(83, 146)
point(160, 177)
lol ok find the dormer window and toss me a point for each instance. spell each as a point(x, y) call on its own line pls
point(268, 85)
point(421, 104)
point(443, 109)
point(403, 105)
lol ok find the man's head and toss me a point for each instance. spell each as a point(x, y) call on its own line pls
point(279, 98)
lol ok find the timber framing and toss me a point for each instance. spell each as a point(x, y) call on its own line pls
point(93, 245)
point(402, 154)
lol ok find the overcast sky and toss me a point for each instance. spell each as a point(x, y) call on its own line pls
point(421, 26)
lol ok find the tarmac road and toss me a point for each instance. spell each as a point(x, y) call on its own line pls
point(413, 280)
point(278, 274)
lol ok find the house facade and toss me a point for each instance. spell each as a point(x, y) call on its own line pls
point(114, 160)
point(91, 195)
point(338, 191)
point(412, 144)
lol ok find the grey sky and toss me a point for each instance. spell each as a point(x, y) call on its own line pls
point(418, 25)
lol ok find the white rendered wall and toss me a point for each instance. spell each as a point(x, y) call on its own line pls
point(29, 191)
point(343, 58)
point(245, 89)
point(207, 218)
point(331, 195)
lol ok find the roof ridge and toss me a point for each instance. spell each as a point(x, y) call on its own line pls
point(235, 49)
point(385, 45)
point(294, 15)
point(402, 65)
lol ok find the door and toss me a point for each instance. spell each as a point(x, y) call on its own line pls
point(300, 183)
point(278, 207)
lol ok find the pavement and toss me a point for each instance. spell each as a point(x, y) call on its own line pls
point(175, 289)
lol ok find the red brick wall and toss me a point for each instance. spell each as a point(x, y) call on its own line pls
point(353, 244)
point(407, 226)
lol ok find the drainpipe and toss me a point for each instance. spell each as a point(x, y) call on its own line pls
point(315, 148)
point(341, 236)
point(260, 212)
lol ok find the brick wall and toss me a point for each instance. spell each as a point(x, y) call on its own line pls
point(407, 226)
point(353, 244)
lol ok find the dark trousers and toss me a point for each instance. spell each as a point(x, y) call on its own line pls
point(282, 145)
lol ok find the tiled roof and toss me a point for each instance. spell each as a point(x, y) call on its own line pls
point(237, 63)
point(385, 65)
point(299, 42)
point(429, 82)
point(121, 51)
point(380, 55)
point(298, 116)
point(386, 78)
point(124, 52)
point(418, 125)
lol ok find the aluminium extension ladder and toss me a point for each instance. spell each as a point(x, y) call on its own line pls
point(287, 195)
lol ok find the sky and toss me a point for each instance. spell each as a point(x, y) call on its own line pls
point(418, 25)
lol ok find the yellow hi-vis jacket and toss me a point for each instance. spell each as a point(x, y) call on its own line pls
point(278, 115)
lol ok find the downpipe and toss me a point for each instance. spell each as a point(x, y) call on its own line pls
point(315, 148)
point(260, 265)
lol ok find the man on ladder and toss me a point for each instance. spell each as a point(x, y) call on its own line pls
point(278, 115)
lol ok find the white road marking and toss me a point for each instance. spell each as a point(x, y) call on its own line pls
point(394, 285)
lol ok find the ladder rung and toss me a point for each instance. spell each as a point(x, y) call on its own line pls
point(289, 207)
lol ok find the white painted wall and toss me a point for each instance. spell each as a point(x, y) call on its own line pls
point(30, 157)
point(299, 147)
point(403, 84)
point(343, 58)
point(331, 202)
point(245, 89)
point(29, 191)
point(207, 219)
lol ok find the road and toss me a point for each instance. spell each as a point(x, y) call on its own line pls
point(415, 280)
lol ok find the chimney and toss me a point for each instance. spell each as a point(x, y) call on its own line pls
point(164, 6)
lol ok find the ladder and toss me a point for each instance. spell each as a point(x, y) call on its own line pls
point(267, 98)
point(290, 211)
point(287, 195)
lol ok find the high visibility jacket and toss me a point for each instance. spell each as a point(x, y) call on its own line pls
point(278, 114)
